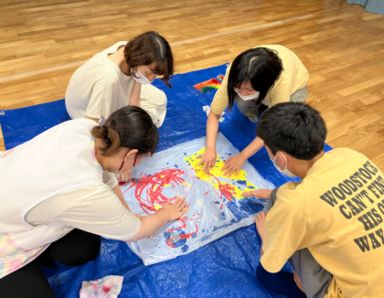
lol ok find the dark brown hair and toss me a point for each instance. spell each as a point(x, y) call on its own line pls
point(147, 48)
point(129, 127)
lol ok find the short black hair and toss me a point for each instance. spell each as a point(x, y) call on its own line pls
point(261, 66)
point(295, 128)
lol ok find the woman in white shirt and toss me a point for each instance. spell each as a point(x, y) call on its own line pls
point(121, 75)
point(69, 190)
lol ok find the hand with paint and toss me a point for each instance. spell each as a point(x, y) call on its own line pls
point(208, 159)
point(234, 164)
point(174, 210)
point(261, 193)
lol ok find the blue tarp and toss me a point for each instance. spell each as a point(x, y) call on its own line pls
point(224, 268)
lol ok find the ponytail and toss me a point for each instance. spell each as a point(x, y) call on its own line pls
point(110, 138)
point(130, 127)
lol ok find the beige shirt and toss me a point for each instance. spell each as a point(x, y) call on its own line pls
point(96, 210)
point(293, 77)
point(98, 88)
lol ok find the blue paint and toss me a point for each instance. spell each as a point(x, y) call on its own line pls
point(232, 259)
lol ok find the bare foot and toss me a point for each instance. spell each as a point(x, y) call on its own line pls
point(260, 223)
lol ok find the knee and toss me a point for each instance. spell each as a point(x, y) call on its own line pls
point(76, 248)
point(87, 250)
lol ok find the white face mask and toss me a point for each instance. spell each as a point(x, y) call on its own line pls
point(140, 78)
point(285, 172)
point(247, 97)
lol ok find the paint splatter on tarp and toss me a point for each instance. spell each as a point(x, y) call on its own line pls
point(216, 206)
point(232, 186)
point(210, 85)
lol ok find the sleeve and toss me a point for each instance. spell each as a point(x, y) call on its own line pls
point(293, 77)
point(110, 179)
point(101, 99)
point(154, 102)
point(281, 92)
point(285, 230)
point(220, 100)
point(96, 210)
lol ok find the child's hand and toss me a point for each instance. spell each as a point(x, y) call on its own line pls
point(261, 193)
point(208, 159)
point(233, 164)
point(175, 210)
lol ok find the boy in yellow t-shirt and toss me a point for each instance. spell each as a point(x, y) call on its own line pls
point(331, 223)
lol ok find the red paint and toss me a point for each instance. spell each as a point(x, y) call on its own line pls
point(225, 190)
point(149, 189)
point(179, 231)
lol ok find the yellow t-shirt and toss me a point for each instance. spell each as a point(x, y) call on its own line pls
point(293, 77)
point(337, 212)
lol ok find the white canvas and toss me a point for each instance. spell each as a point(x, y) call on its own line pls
point(215, 200)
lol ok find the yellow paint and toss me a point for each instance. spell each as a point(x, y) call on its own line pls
point(157, 206)
point(194, 161)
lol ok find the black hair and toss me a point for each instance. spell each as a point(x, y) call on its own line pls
point(129, 127)
point(261, 66)
point(147, 48)
point(295, 128)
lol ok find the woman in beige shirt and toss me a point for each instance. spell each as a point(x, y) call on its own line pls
point(257, 79)
point(121, 75)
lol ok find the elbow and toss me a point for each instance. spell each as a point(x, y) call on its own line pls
point(213, 116)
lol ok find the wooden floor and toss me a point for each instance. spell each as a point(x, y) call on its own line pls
point(41, 44)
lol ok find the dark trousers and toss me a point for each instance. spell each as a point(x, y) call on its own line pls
point(75, 248)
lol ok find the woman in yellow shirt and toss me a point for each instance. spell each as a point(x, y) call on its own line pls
point(257, 79)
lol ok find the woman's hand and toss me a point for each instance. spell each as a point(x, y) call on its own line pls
point(233, 164)
point(208, 159)
point(261, 193)
point(174, 210)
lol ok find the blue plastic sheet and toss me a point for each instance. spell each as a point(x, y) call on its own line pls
point(223, 268)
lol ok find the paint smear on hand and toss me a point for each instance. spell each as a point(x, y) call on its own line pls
point(230, 186)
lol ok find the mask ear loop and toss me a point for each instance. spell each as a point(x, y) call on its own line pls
point(286, 163)
point(123, 162)
point(134, 161)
